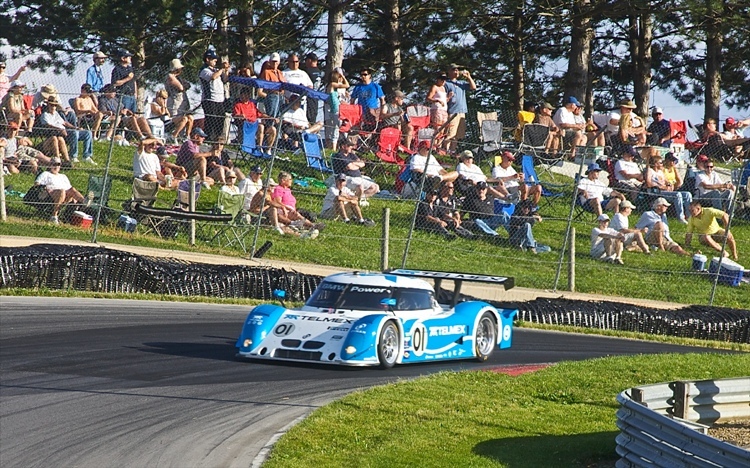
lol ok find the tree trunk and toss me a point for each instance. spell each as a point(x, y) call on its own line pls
point(245, 27)
point(641, 34)
point(335, 54)
point(393, 76)
point(519, 85)
point(576, 79)
point(714, 42)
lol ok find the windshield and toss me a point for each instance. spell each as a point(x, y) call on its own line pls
point(359, 297)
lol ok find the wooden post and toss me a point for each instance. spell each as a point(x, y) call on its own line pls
point(384, 239)
point(681, 399)
point(191, 208)
point(572, 264)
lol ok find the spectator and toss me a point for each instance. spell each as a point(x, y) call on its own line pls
point(218, 164)
point(632, 129)
point(703, 222)
point(20, 152)
point(342, 202)
point(94, 74)
point(424, 163)
point(544, 117)
point(123, 79)
point(733, 136)
point(628, 176)
point(591, 192)
point(659, 133)
point(193, 159)
point(438, 97)
point(525, 116)
point(316, 76)
point(229, 186)
point(513, 182)
point(56, 129)
point(178, 102)
point(481, 210)
point(449, 212)
point(370, 97)
point(633, 237)
point(6, 80)
point(520, 228)
point(654, 224)
point(251, 185)
point(656, 182)
point(348, 163)
point(146, 164)
point(58, 189)
point(457, 104)
point(159, 116)
point(337, 91)
point(606, 243)
point(671, 174)
point(294, 122)
point(171, 172)
point(595, 130)
point(573, 132)
point(264, 205)
point(212, 93)
point(429, 216)
point(15, 107)
point(294, 75)
point(246, 109)
point(286, 207)
point(67, 120)
point(270, 71)
point(86, 107)
point(109, 105)
point(469, 174)
point(393, 115)
point(711, 188)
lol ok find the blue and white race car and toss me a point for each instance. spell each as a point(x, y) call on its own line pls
point(379, 319)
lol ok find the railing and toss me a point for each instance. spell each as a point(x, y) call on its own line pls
point(663, 424)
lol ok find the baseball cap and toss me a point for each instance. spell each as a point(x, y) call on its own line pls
point(275, 57)
point(481, 184)
point(573, 100)
point(661, 201)
point(341, 176)
point(199, 131)
point(18, 84)
point(466, 154)
point(603, 217)
point(56, 160)
point(311, 56)
point(547, 105)
point(730, 122)
point(453, 66)
point(670, 157)
point(124, 53)
point(509, 155)
point(210, 54)
point(593, 167)
point(657, 110)
point(703, 158)
point(627, 204)
point(257, 170)
point(161, 151)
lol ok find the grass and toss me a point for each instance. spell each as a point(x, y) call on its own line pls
point(662, 276)
point(562, 416)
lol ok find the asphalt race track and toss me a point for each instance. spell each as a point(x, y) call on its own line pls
point(98, 383)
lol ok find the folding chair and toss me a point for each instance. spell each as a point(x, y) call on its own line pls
point(350, 116)
point(530, 177)
point(678, 133)
point(182, 201)
point(580, 210)
point(492, 137)
point(388, 144)
point(534, 141)
point(144, 194)
point(482, 116)
point(313, 147)
point(249, 144)
point(424, 134)
point(234, 231)
point(419, 118)
point(407, 183)
point(98, 192)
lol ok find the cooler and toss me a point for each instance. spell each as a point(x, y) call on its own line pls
point(82, 219)
point(731, 272)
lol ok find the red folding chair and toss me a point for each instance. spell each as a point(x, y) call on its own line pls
point(350, 116)
point(388, 145)
point(419, 118)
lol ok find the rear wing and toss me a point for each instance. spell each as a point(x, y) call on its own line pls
point(457, 278)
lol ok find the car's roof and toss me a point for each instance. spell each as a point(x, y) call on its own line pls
point(378, 279)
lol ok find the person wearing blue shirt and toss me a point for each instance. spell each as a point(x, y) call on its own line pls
point(370, 97)
point(659, 132)
point(457, 104)
point(94, 75)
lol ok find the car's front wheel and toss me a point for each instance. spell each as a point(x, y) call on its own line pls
point(388, 345)
point(485, 337)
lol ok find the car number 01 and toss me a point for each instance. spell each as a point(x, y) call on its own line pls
point(283, 329)
point(418, 339)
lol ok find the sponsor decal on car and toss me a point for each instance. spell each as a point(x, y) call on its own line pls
point(448, 330)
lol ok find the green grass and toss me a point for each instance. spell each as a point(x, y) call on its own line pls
point(562, 416)
point(662, 276)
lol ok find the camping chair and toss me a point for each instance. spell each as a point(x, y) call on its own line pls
point(419, 118)
point(144, 194)
point(388, 144)
point(678, 133)
point(534, 141)
point(482, 116)
point(492, 137)
point(350, 116)
point(249, 145)
point(580, 211)
point(234, 231)
point(530, 177)
point(98, 192)
point(407, 183)
point(313, 146)
point(182, 202)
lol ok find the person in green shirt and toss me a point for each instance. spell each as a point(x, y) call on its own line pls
point(703, 221)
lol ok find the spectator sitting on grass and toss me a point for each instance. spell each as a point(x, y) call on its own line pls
point(450, 212)
point(633, 237)
point(606, 243)
point(59, 190)
point(703, 222)
point(423, 162)
point(193, 159)
point(341, 202)
point(286, 207)
point(20, 153)
point(348, 163)
point(481, 209)
point(592, 191)
point(429, 216)
point(513, 181)
point(519, 228)
point(657, 228)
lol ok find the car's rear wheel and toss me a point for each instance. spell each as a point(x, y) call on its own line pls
point(388, 345)
point(485, 337)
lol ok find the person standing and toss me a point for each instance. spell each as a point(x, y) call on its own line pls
point(457, 104)
point(337, 93)
point(212, 93)
point(270, 71)
point(370, 97)
point(6, 80)
point(123, 78)
point(178, 102)
point(316, 76)
point(294, 75)
point(94, 75)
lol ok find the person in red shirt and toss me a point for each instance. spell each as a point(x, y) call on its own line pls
point(246, 109)
point(270, 71)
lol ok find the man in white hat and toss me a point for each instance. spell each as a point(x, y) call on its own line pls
point(270, 72)
point(632, 127)
point(659, 132)
point(657, 229)
point(94, 74)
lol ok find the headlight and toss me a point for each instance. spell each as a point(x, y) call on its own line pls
point(350, 350)
point(247, 343)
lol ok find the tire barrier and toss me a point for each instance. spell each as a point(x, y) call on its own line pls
point(99, 269)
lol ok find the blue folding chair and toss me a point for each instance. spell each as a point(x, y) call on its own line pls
point(249, 145)
point(531, 178)
point(313, 146)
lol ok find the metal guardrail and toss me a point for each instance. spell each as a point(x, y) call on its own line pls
point(658, 424)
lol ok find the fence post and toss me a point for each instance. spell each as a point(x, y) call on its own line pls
point(3, 214)
point(572, 263)
point(191, 204)
point(106, 171)
point(384, 241)
point(681, 404)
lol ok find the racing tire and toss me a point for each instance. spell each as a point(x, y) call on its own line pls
point(485, 337)
point(388, 345)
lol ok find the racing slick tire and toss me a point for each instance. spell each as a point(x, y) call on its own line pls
point(485, 337)
point(388, 345)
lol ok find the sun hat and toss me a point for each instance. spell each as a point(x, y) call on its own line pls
point(627, 204)
point(17, 84)
point(660, 201)
point(176, 64)
point(466, 154)
point(547, 105)
point(100, 54)
point(52, 100)
point(48, 90)
point(603, 217)
point(627, 103)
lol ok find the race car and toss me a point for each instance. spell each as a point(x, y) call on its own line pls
point(380, 319)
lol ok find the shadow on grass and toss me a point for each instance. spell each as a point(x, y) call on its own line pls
point(595, 450)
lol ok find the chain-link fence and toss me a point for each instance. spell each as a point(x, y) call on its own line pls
point(417, 224)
